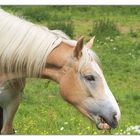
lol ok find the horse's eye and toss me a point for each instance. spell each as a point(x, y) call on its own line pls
point(90, 77)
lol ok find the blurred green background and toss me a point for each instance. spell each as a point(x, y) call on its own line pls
point(117, 30)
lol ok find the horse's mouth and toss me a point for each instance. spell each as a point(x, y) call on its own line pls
point(101, 123)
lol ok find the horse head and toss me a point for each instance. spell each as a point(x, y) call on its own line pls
point(84, 86)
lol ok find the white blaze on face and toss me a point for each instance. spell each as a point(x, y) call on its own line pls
point(107, 91)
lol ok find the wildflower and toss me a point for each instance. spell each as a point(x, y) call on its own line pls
point(117, 37)
point(88, 127)
point(95, 132)
point(72, 119)
point(135, 128)
point(62, 128)
point(114, 48)
point(124, 132)
point(65, 123)
point(107, 38)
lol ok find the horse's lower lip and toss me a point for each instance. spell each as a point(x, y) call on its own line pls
point(103, 124)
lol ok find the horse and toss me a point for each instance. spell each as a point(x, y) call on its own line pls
point(28, 50)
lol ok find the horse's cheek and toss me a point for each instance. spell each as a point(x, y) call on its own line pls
point(66, 89)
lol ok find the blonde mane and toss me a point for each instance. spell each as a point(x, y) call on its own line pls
point(24, 46)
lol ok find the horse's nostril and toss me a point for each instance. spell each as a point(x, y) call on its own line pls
point(115, 117)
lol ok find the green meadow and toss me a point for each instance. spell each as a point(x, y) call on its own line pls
point(117, 31)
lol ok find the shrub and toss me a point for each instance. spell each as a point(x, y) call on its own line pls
point(65, 26)
point(133, 34)
point(33, 13)
point(36, 13)
point(104, 28)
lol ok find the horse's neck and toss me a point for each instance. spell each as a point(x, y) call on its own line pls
point(58, 62)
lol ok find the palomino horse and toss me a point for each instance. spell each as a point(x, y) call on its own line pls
point(28, 50)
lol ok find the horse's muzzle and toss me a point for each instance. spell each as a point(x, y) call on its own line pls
point(112, 121)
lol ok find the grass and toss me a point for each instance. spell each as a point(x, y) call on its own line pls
point(104, 28)
point(66, 27)
point(43, 111)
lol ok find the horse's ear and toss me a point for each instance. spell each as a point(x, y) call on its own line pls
point(90, 43)
point(79, 47)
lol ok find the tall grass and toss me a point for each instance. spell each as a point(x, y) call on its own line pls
point(67, 27)
point(36, 13)
point(104, 28)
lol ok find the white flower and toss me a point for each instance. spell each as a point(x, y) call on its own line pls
point(62, 128)
point(135, 128)
point(65, 123)
point(117, 37)
point(107, 38)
